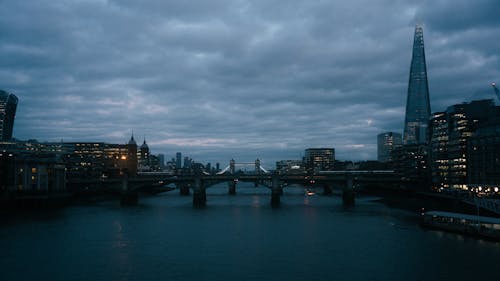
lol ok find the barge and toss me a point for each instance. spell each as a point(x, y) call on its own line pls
point(480, 226)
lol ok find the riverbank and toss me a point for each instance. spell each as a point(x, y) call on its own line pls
point(426, 201)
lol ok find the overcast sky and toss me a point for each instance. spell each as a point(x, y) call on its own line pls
point(239, 79)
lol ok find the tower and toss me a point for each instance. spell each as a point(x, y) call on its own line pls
point(132, 156)
point(417, 104)
point(8, 106)
point(386, 142)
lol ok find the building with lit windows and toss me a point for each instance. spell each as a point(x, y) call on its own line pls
point(386, 142)
point(8, 106)
point(319, 159)
point(411, 163)
point(144, 157)
point(450, 133)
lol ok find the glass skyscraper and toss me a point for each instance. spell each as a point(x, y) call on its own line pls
point(418, 107)
point(8, 106)
point(386, 143)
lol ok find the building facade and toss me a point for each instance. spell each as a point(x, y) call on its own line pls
point(411, 163)
point(386, 142)
point(417, 104)
point(484, 156)
point(450, 136)
point(8, 106)
point(319, 159)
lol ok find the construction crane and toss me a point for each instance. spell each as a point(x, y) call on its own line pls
point(497, 92)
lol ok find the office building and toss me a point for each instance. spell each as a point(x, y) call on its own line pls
point(178, 160)
point(319, 159)
point(8, 106)
point(417, 103)
point(450, 135)
point(386, 142)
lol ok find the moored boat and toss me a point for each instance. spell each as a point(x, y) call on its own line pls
point(487, 227)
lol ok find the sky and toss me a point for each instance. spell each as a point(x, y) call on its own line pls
point(222, 79)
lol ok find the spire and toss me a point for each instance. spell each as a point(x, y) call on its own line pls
point(417, 103)
point(144, 144)
point(132, 140)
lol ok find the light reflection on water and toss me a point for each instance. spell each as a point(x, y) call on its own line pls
point(238, 237)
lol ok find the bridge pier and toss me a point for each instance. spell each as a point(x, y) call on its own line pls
point(199, 193)
point(276, 192)
point(348, 191)
point(232, 187)
point(128, 197)
point(184, 189)
point(327, 189)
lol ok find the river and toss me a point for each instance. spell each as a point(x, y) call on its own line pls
point(237, 238)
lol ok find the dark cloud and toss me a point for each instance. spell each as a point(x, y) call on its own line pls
point(243, 79)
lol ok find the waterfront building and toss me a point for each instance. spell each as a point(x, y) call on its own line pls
point(417, 103)
point(30, 172)
point(411, 163)
point(386, 142)
point(483, 150)
point(450, 133)
point(8, 106)
point(319, 159)
point(438, 150)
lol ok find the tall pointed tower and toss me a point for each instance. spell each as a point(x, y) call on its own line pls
point(418, 107)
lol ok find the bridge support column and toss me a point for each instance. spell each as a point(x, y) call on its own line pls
point(199, 193)
point(327, 189)
point(128, 197)
point(276, 192)
point(183, 189)
point(232, 187)
point(348, 191)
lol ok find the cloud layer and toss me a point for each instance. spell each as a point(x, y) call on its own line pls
point(222, 79)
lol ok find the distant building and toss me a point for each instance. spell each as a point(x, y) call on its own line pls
point(161, 159)
point(188, 162)
point(178, 160)
point(131, 156)
point(8, 106)
point(144, 157)
point(290, 166)
point(418, 107)
point(319, 159)
point(386, 142)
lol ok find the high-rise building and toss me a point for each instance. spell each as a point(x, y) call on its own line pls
point(8, 106)
point(178, 160)
point(418, 107)
point(386, 142)
point(450, 147)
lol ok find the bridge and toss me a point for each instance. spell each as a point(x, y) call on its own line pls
point(199, 181)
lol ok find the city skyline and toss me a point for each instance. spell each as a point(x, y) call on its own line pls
point(219, 80)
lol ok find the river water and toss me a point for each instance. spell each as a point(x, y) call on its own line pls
point(237, 238)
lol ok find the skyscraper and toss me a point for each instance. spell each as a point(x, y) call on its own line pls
point(418, 107)
point(8, 106)
point(386, 142)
